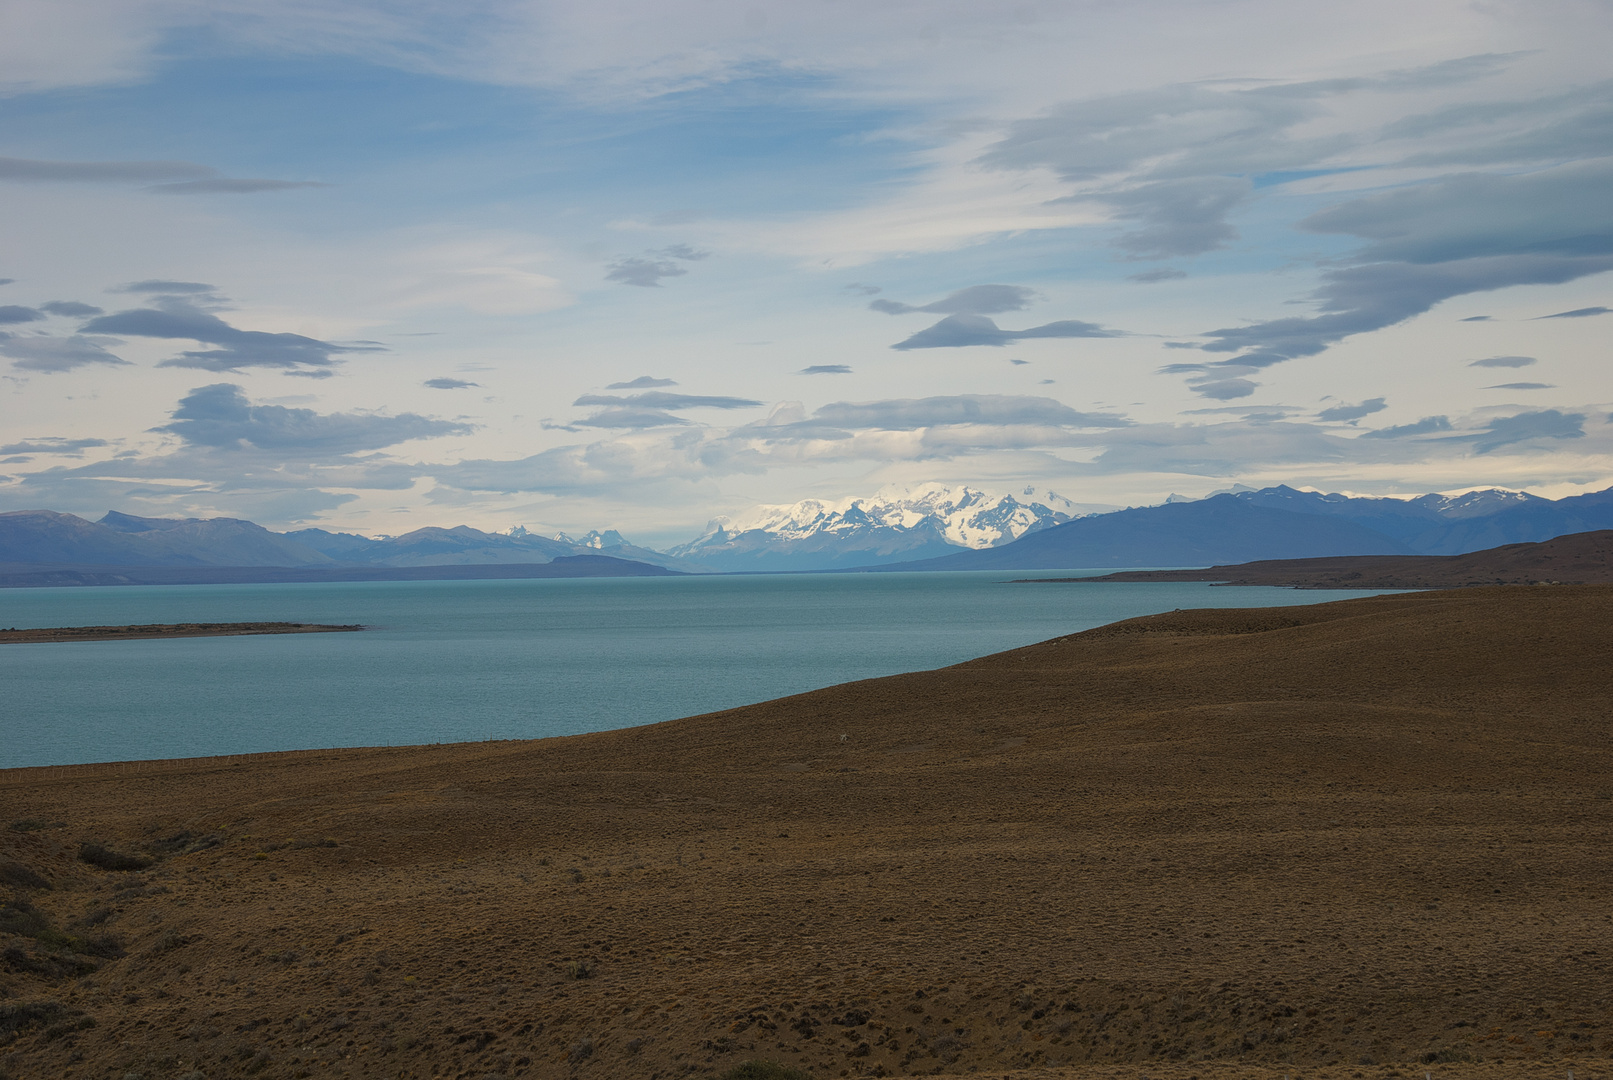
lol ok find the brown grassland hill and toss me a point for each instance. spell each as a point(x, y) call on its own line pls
point(1576, 559)
point(1361, 839)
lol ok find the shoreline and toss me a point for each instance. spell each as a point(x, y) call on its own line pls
point(53, 634)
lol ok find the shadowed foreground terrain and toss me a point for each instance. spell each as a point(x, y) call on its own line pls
point(1577, 559)
point(1360, 839)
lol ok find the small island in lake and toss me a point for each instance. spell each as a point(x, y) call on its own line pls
point(14, 636)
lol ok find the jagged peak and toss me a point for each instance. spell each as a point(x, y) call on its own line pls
point(958, 514)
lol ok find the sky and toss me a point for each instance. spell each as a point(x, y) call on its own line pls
point(371, 266)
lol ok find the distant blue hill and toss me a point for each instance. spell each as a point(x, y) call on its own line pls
point(124, 540)
point(43, 575)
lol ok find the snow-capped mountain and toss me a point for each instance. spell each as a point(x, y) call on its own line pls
point(592, 539)
point(895, 525)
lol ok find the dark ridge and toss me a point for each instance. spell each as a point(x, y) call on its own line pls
point(1580, 559)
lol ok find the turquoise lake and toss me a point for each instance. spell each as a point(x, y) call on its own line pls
point(466, 660)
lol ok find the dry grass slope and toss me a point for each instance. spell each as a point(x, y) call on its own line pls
point(1367, 838)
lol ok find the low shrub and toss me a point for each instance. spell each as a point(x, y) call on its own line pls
point(764, 1070)
point(20, 877)
point(20, 1017)
point(22, 918)
point(104, 858)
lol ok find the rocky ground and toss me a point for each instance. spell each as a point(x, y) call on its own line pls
point(1361, 839)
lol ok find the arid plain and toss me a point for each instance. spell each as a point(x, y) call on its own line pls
point(1367, 838)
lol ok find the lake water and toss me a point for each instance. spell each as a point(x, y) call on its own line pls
point(450, 661)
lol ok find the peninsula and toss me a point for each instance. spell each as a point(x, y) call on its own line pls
point(39, 634)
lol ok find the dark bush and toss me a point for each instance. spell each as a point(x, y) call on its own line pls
point(20, 917)
point(103, 857)
point(20, 877)
point(106, 946)
point(170, 844)
point(17, 1018)
point(764, 1070)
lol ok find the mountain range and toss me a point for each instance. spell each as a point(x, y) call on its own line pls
point(44, 537)
point(1285, 523)
point(932, 527)
point(893, 526)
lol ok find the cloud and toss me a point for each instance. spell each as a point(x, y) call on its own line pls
point(1179, 217)
point(163, 177)
point(1503, 361)
point(1478, 318)
point(1519, 386)
point(645, 273)
point(825, 369)
point(165, 287)
point(1527, 427)
point(648, 272)
point(1549, 128)
point(56, 354)
point(1176, 160)
point(683, 251)
point(1460, 235)
point(645, 461)
point(631, 418)
point(231, 186)
point(957, 331)
point(1151, 277)
point(176, 318)
point(220, 417)
point(651, 409)
point(71, 309)
point(907, 414)
point(1428, 425)
point(864, 290)
point(966, 322)
point(26, 170)
point(67, 447)
point(974, 300)
point(12, 314)
point(1579, 313)
point(641, 382)
point(657, 400)
point(1359, 299)
point(449, 384)
point(8, 281)
point(1221, 381)
point(1353, 413)
point(1559, 211)
point(1224, 389)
